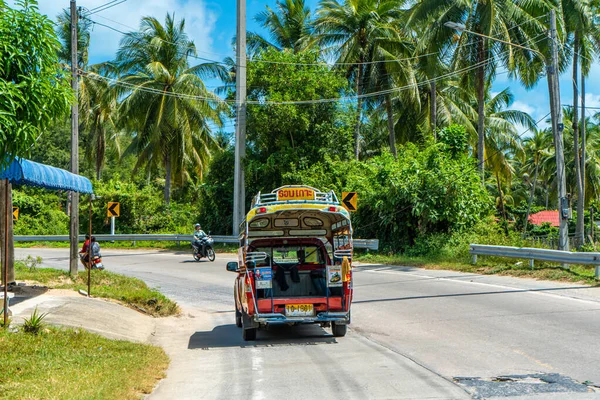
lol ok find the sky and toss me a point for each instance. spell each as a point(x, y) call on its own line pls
point(211, 25)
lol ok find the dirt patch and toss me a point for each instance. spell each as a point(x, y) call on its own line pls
point(31, 289)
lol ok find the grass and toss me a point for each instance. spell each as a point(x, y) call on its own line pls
point(219, 247)
point(75, 364)
point(493, 266)
point(130, 291)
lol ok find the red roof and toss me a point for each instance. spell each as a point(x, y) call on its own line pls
point(545, 216)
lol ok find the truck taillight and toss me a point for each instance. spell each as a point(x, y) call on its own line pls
point(248, 285)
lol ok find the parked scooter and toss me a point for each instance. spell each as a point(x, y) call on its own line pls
point(209, 252)
point(96, 256)
point(96, 261)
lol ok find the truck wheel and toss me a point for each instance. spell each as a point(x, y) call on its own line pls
point(247, 333)
point(338, 330)
point(238, 318)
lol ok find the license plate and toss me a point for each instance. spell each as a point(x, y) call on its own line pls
point(299, 310)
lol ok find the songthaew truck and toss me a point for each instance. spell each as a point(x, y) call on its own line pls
point(294, 262)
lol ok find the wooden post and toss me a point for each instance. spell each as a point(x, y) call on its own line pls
point(90, 251)
point(7, 215)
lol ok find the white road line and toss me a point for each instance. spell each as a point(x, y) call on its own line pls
point(536, 291)
point(257, 374)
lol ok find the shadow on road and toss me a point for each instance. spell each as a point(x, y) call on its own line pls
point(470, 294)
point(23, 293)
point(277, 335)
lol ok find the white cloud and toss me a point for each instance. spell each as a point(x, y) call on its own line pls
point(592, 100)
point(521, 106)
point(199, 18)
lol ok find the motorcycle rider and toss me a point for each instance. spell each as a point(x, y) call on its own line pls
point(83, 253)
point(199, 238)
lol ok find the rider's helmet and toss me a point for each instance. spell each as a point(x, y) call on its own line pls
point(197, 226)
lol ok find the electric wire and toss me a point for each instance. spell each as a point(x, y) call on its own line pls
point(472, 42)
point(298, 102)
point(106, 6)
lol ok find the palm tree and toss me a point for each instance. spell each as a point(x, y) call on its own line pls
point(578, 19)
point(290, 27)
point(63, 30)
point(511, 22)
point(165, 102)
point(502, 138)
point(389, 71)
point(536, 147)
point(98, 110)
point(355, 32)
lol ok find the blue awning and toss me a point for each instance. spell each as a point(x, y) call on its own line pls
point(25, 172)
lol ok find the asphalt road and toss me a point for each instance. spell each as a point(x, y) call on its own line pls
point(415, 334)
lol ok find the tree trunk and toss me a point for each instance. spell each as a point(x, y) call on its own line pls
point(100, 152)
point(9, 236)
point(390, 122)
point(481, 57)
point(531, 196)
point(582, 127)
point(433, 111)
point(579, 226)
point(167, 179)
point(358, 111)
point(502, 204)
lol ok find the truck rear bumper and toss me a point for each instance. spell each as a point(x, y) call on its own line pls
point(341, 318)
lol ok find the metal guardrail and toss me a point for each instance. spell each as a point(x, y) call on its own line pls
point(558, 256)
point(371, 244)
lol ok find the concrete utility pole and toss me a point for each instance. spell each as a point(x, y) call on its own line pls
point(239, 192)
point(74, 227)
point(557, 130)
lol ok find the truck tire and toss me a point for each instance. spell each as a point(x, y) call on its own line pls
point(339, 330)
point(247, 333)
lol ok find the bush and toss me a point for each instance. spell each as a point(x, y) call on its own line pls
point(425, 192)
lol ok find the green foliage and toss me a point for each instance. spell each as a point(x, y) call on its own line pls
point(216, 195)
point(34, 89)
point(425, 192)
point(142, 210)
point(35, 323)
point(41, 212)
point(292, 136)
point(455, 138)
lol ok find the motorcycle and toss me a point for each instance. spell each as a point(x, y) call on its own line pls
point(96, 261)
point(209, 252)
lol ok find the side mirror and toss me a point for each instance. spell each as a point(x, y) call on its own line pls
point(233, 266)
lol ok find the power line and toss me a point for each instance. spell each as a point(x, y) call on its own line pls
point(289, 63)
point(296, 102)
point(106, 6)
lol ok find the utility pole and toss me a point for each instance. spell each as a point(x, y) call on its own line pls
point(557, 130)
point(74, 227)
point(239, 192)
